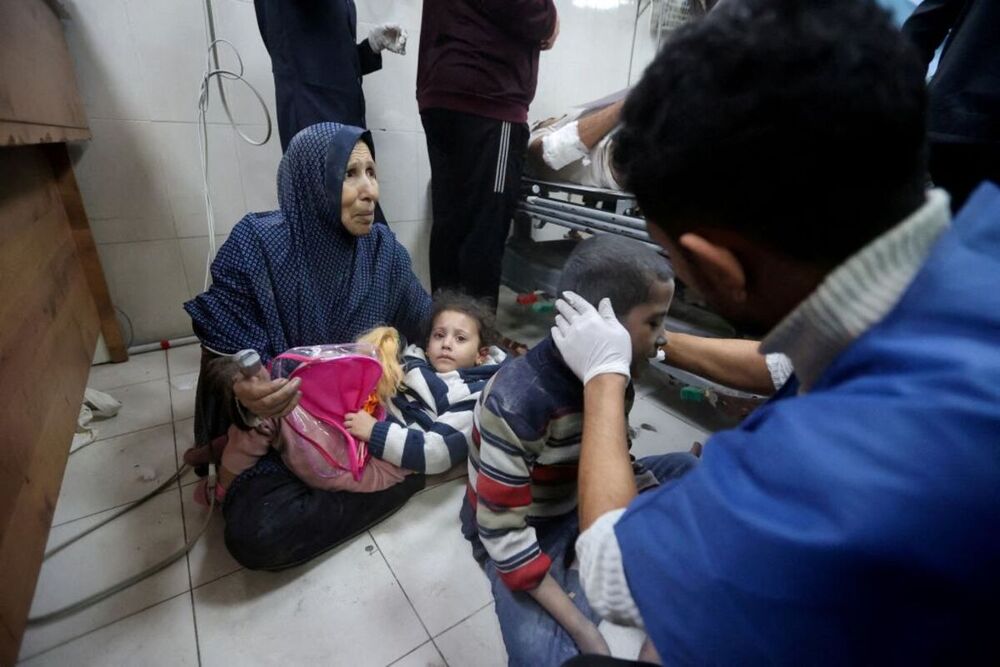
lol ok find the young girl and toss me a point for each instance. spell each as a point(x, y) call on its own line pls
point(429, 424)
point(429, 402)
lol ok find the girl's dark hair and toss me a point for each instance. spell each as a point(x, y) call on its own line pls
point(481, 313)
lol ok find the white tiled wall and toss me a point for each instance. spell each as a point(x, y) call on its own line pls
point(139, 65)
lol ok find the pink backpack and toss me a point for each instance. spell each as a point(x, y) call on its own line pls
point(336, 380)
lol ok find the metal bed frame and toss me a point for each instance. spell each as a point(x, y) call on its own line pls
point(530, 265)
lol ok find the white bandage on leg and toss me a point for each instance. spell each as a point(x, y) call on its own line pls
point(563, 147)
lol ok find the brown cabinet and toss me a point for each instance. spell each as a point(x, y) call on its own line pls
point(53, 297)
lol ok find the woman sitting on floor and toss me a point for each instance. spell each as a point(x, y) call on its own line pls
point(319, 270)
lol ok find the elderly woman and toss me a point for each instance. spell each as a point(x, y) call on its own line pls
point(319, 270)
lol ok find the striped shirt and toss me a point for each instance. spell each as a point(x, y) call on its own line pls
point(523, 460)
point(428, 425)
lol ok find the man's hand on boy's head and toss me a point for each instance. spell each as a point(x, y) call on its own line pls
point(360, 424)
point(591, 340)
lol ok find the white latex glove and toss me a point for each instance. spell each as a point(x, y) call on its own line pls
point(390, 36)
point(591, 341)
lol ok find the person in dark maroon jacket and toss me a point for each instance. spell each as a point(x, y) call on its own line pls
point(476, 76)
point(963, 113)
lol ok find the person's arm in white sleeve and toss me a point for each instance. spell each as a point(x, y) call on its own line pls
point(598, 349)
point(602, 572)
point(734, 362)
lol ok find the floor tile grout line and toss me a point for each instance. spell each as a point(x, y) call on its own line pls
point(101, 627)
point(197, 368)
point(459, 622)
point(194, 622)
point(187, 562)
point(440, 652)
point(215, 579)
point(190, 590)
point(106, 509)
point(122, 435)
point(438, 636)
point(403, 590)
point(116, 387)
point(180, 497)
point(412, 651)
point(165, 376)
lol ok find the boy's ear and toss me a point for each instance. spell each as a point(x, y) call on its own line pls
point(484, 354)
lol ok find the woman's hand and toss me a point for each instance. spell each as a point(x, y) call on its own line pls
point(265, 397)
point(360, 424)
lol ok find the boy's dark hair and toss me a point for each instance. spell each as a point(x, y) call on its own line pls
point(460, 302)
point(800, 123)
point(606, 266)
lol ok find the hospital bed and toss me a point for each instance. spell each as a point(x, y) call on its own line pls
point(532, 265)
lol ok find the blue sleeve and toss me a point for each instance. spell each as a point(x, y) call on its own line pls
point(227, 317)
point(818, 532)
point(413, 304)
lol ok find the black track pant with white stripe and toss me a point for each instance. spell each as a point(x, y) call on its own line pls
point(476, 165)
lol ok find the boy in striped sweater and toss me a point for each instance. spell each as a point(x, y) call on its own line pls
point(428, 424)
point(520, 507)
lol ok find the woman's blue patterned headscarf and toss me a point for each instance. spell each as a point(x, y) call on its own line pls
point(295, 276)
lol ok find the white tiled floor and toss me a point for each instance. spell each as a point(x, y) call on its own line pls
point(405, 593)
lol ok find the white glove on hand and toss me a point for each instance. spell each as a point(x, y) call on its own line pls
point(390, 36)
point(591, 341)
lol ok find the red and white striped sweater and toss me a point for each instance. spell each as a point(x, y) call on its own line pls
point(523, 461)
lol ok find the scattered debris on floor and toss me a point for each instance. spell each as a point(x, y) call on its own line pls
point(144, 473)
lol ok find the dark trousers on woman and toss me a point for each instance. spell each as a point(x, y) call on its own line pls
point(476, 166)
point(274, 521)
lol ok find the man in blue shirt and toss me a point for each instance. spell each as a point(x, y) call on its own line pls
point(778, 150)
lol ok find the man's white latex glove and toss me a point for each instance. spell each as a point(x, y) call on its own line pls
point(591, 341)
point(390, 36)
